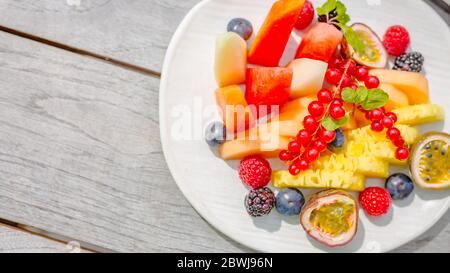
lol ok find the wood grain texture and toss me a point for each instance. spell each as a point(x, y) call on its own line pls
point(13, 240)
point(135, 31)
point(80, 154)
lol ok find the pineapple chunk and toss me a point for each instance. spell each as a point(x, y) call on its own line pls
point(365, 165)
point(409, 134)
point(345, 180)
point(420, 113)
point(383, 150)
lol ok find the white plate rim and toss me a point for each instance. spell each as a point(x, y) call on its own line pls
point(198, 207)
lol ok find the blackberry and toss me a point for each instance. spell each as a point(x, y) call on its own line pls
point(412, 62)
point(333, 14)
point(259, 202)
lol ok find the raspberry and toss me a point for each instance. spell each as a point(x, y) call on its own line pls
point(396, 40)
point(306, 16)
point(375, 201)
point(255, 171)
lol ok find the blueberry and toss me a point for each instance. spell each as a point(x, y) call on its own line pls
point(339, 141)
point(289, 202)
point(241, 26)
point(215, 133)
point(399, 185)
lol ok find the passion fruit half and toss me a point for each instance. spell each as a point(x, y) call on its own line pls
point(331, 217)
point(374, 55)
point(430, 161)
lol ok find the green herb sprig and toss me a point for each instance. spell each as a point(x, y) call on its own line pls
point(341, 20)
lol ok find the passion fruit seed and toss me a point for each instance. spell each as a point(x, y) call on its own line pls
point(434, 162)
point(333, 218)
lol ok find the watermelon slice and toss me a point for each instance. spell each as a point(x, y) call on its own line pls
point(268, 86)
point(272, 38)
point(320, 42)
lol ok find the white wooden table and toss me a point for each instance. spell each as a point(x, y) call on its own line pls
point(80, 154)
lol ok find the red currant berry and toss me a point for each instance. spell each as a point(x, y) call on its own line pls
point(392, 116)
point(402, 153)
point(354, 86)
point(393, 134)
point(334, 62)
point(294, 169)
point(327, 136)
point(303, 164)
point(311, 154)
point(333, 76)
point(310, 124)
point(324, 96)
point(400, 142)
point(320, 145)
point(337, 112)
point(348, 65)
point(294, 147)
point(372, 82)
point(346, 81)
point(375, 114)
point(303, 137)
point(361, 73)
point(316, 109)
point(376, 126)
point(286, 155)
point(387, 122)
point(338, 102)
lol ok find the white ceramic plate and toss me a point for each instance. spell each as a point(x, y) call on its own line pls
point(213, 187)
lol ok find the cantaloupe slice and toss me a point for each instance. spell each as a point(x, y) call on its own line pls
point(397, 98)
point(238, 149)
point(360, 118)
point(413, 84)
point(272, 38)
point(236, 114)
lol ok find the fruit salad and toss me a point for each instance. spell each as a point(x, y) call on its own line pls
point(343, 110)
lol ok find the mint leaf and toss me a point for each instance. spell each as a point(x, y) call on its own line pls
point(376, 98)
point(330, 124)
point(361, 94)
point(343, 18)
point(353, 39)
point(340, 7)
point(355, 97)
point(326, 8)
point(341, 11)
point(349, 95)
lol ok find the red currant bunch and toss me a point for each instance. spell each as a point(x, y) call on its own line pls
point(380, 120)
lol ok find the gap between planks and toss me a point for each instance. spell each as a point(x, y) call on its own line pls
point(53, 237)
point(83, 52)
point(36, 231)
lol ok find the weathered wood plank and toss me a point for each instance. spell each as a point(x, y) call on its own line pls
point(80, 154)
point(13, 240)
point(133, 31)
